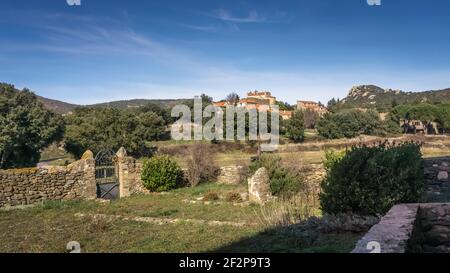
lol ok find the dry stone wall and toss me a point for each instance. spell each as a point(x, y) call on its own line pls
point(28, 186)
point(437, 180)
point(232, 175)
point(129, 172)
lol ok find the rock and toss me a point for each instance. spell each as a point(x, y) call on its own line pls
point(88, 155)
point(259, 187)
point(442, 176)
point(121, 153)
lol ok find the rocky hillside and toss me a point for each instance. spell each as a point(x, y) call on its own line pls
point(371, 96)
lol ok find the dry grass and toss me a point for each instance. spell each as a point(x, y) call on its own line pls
point(288, 211)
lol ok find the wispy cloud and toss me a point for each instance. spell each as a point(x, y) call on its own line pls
point(206, 28)
point(224, 15)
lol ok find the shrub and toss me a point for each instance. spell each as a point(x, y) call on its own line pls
point(233, 197)
point(332, 157)
point(201, 165)
point(161, 173)
point(370, 180)
point(211, 196)
point(283, 181)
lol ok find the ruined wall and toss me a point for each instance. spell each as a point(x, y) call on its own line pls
point(437, 181)
point(31, 185)
point(410, 228)
point(432, 233)
point(129, 173)
point(232, 175)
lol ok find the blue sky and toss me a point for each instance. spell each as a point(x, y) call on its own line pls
point(299, 49)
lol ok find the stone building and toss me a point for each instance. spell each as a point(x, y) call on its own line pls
point(263, 95)
point(311, 105)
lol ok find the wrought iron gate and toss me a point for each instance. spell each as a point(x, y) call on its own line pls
point(106, 175)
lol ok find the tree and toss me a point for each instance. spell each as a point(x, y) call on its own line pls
point(163, 112)
point(232, 98)
point(311, 118)
point(109, 128)
point(350, 123)
point(26, 127)
point(284, 106)
point(295, 127)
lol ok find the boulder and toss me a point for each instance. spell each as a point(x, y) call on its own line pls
point(259, 187)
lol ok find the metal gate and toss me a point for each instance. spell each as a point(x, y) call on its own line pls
point(106, 175)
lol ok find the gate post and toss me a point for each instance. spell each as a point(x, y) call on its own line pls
point(122, 172)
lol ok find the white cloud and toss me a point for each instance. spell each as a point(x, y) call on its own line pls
point(253, 17)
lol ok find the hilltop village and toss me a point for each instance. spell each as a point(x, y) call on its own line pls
point(255, 99)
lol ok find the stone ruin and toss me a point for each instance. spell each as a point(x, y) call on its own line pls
point(259, 187)
point(410, 228)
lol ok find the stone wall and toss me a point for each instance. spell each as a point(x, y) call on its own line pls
point(129, 172)
point(232, 175)
point(432, 233)
point(393, 233)
point(410, 228)
point(437, 180)
point(28, 186)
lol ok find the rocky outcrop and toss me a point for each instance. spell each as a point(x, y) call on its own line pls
point(259, 187)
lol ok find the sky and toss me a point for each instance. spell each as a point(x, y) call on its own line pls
point(104, 50)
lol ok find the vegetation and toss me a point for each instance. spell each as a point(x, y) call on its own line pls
point(351, 123)
point(295, 127)
point(311, 118)
point(232, 98)
point(160, 173)
point(109, 128)
point(284, 106)
point(54, 225)
point(26, 127)
point(424, 112)
point(200, 164)
point(284, 181)
point(370, 180)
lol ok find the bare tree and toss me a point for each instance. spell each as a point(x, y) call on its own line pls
point(232, 98)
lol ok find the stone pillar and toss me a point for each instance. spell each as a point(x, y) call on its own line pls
point(259, 187)
point(122, 172)
point(87, 189)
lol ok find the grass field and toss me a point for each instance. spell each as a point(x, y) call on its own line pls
point(172, 222)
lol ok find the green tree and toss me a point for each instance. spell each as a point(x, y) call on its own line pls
point(109, 128)
point(295, 127)
point(26, 127)
point(350, 123)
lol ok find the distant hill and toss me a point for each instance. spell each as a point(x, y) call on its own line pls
point(64, 107)
point(123, 104)
point(371, 96)
point(57, 106)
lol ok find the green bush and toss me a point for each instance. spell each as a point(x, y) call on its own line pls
point(161, 173)
point(351, 123)
point(295, 127)
point(370, 180)
point(283, 180)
